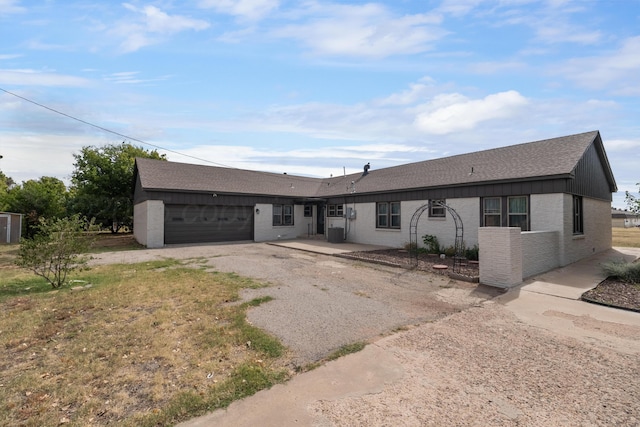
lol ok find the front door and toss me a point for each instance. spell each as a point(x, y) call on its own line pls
point(320, 219)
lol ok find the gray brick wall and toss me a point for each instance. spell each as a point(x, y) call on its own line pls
point(500, 256)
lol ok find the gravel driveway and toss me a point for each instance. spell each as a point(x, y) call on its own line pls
point(321, 302)
point(470, 361)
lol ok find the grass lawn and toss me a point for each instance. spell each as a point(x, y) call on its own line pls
point(626, 237)
point(141, 345)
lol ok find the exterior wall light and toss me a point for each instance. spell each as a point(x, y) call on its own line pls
point(257, 211)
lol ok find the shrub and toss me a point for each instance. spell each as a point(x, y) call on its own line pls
point(55, 249)
point(472, 253)
point(431, 243)
point(449, 251)
point(629, 272)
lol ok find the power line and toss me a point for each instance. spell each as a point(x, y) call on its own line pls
point(111, 131)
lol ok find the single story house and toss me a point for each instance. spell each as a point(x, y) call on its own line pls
point(624, 219)
point(10, 227)
point(561, 186)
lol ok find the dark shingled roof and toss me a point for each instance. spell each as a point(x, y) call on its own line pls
point(171, 176)
point(548, 158)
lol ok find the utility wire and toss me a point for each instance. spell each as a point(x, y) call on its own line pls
point(111, 131)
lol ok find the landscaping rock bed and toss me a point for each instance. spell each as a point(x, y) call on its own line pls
point(615, 293)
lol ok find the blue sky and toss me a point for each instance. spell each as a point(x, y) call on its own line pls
point(316, 87)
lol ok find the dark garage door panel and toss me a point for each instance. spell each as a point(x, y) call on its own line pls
point(199, 224)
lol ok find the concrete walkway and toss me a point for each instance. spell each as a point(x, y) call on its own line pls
point(575, 279)
point(552, 301)
point(549, 301)
point(324, 247)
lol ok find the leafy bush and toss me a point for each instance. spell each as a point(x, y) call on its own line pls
point(431, 243)
point(449, 251)
point(55, 249)
point(629, 272)
point(472, 254)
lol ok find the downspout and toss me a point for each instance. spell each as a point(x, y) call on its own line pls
point(346, 219)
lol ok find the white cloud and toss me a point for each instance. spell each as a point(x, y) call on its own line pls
point(131, 77)
point(54, 158)
point(296, 161)
point(453, 112)
point(552, 31)
point(626, 145)
point(9, 56)
point(458, 8)
point(416, 92)
point(29, 77)
point(151, 25)
point(8, 7)
point(553, 22)
point(618, 72)
point(368, 30)
point(245, 9)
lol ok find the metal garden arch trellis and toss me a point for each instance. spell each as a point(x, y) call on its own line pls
point(459, 242)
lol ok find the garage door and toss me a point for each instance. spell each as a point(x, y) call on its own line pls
point(198, 224)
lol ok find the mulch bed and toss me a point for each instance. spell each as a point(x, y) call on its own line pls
point(615, 293)
point(401, 258)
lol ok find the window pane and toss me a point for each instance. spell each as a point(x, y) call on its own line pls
point(578, 227)
point(395, 214)
point(339, 210)
point(518, 221)
point(437, 211)
point(492, 205)
point(518, 205)
point(492, 221)
point(382, 210)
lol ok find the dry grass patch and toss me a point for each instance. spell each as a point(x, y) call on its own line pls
point(626, 237)
point(8, 254)
point(138, 344)
point(108, 242)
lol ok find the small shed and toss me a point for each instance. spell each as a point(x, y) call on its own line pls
point(10, 227)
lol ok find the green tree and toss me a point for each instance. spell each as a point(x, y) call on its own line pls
point(102, 183)
point(5, 184)
point(36, 199)
point(55, 249)
point(633, 202)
